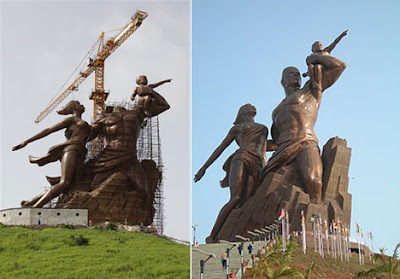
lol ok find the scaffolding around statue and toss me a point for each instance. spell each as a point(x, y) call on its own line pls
point(121, 183)
point(114, 193)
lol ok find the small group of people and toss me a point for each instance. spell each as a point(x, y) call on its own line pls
point(293, 137)
point(120, 127)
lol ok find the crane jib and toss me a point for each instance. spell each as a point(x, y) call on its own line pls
point(104, 51)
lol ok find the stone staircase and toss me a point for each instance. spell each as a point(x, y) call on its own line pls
point(213, 267)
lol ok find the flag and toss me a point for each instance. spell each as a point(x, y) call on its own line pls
point(281, 215)
point(358, 228)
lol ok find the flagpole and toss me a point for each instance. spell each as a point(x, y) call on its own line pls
point(358, 241)
point(347, 258)
point(321, 242)
point(334, 237)
point(270, 238)
point(332, 241)
point(303, 230)
point(348, 241)
point(322, 236)
point(346, 254)
point(314, 232)
point(283, 231)
point(372, 247)
point(340, 240)
point(287, 226)
point(327, 236)
point(339, 251)
point(362, 241)
point(318, 237)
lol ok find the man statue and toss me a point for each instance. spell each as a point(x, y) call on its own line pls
point(121, 129)
point(293, 136)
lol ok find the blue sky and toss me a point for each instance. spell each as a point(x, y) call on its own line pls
point(239, 49)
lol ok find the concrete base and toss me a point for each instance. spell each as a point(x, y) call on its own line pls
point(44, 216)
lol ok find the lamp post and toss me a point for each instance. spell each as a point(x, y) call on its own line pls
point(241, 246)
point(194, 234)
point(227, 255)
point(252, 250)
point(265, 238)
point(202, 262)
point(271, 232)
point(259, 238)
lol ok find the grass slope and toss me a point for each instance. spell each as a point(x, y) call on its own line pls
point(327, 267)
point(50, 253)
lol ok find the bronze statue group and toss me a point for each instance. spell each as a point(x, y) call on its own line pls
point(293, 140)
point(118, 125)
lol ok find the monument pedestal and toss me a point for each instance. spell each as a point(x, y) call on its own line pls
point(114, 197)
point(281, 189)
point(43, 216)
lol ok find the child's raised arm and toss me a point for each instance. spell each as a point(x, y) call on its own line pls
point(159, 83)
point(135, 92)
point(335, 42)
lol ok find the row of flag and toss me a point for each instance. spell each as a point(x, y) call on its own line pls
point(334, 238)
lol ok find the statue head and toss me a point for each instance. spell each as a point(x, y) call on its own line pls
point(291, 78)
point(316, 47)
point(141, 80)
point(71, 107)
point(245, 111)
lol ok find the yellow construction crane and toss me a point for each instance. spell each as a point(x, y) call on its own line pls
point(97, 65)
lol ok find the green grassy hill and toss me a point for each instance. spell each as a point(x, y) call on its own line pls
point(63, 253)
point(328, 267)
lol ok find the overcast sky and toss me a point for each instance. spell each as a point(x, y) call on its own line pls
point(239, 51)
point(41, 45)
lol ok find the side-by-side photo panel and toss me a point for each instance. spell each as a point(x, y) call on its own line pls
point(95, 140)
point(286, 183)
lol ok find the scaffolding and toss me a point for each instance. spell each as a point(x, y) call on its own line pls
point(148, 148)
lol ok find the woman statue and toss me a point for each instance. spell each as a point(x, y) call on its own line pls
point(71, 153)
point(244, 167)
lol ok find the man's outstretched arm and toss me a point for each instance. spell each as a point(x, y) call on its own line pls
point(332, 68)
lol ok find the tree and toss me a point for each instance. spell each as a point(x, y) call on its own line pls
point(275, 263)
point(383, 264)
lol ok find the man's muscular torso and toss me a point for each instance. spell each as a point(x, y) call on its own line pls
point(294, 118)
